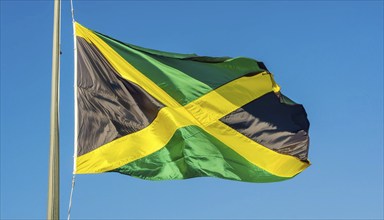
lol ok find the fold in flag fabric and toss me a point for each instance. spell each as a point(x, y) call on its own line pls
point(158, 116)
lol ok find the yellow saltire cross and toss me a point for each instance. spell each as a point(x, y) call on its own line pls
point(204, 112)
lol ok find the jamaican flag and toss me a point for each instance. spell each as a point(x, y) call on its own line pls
point(157, 115)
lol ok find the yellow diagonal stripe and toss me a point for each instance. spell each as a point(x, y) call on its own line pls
point(225, 99)
point(204, 112)
point(275, 163)
point(136, 145)
point(126, 70)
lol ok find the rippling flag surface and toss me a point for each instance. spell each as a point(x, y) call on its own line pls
point(158, 115)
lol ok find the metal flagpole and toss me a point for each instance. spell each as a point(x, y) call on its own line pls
point(53, 176)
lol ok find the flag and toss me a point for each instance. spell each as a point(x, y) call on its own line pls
point(157, 115)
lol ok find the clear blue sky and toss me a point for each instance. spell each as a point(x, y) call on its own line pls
point(327, 55)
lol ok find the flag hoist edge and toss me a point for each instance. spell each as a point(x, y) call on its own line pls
point(158, 115)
